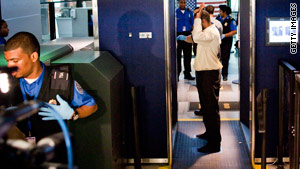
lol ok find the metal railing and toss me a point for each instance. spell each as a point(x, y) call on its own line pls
point(286, 114)
point(294, 158)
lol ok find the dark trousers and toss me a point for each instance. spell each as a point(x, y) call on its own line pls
point(195, 49)
point(187, 53)
point(208, 85)
point(225, 55)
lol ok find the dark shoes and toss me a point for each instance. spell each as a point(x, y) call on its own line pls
point(199, 112)
point(209, 148)
point(225, 78)
point(189, 77)
point(202, 136)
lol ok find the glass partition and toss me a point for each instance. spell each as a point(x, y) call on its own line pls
point(68, 18)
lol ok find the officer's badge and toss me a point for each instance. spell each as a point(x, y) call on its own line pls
point(225, 24)
point(53, 101)
point(78, 88)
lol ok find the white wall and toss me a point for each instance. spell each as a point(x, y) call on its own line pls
point(235, 5)
point(22, 15)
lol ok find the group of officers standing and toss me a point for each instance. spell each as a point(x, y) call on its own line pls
point(212, 39)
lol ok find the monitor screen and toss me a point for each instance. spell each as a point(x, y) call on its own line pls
point(279, 32)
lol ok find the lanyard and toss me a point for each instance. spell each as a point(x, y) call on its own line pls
point(36, 94)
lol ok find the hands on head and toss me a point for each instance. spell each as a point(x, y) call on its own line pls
point(198, 15)
point(202, 5)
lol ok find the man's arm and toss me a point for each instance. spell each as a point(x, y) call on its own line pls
point(86, 105)
point(85, 111)
point(82, 103)
point(199, 36)
point(230, 34)
point(189, 39)
point(66, 111)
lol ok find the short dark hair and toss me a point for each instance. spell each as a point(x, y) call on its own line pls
point(25, 40)
point(205, 16)
point(210, 9)
point(226, 9)
point(222, 7)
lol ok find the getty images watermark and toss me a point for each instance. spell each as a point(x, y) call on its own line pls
point(293, 30)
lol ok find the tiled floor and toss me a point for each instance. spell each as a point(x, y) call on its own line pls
point(233, 154)
point(228, 100)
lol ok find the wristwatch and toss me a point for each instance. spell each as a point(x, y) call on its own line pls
point(76, 115)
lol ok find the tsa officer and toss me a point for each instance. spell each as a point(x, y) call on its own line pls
point(185, 22)
point(51, 84)
point(229, 29)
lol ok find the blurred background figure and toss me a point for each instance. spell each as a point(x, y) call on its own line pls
point(3, 31)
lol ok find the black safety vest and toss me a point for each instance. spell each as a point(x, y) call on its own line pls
point(226, 27)
point(57, 80)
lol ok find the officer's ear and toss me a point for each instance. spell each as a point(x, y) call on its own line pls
point(34, 57)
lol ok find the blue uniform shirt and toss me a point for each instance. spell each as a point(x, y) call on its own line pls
point(186, 19)
point(232, 24)
point(2, 41)
point(80, 96)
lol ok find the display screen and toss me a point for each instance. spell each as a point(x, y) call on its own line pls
point(279, 32)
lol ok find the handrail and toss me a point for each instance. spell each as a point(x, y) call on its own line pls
point(297, 78)
point(287, 65)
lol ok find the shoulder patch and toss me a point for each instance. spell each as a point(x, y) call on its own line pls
point(233, 22)
point(78, 87)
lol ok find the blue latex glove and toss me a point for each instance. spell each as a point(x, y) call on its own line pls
point(222, 36)
point(11, 108)
point(181, 37)
point(63, 109)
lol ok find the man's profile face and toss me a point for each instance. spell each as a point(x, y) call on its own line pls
point(17, 58)
point(182, 4)
point(4, 30)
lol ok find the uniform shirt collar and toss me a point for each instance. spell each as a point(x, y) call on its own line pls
point(31, 89)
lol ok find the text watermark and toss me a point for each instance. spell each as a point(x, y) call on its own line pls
point(294, 28)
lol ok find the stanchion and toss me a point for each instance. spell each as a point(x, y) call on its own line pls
point(262, 123)
point(137, 157)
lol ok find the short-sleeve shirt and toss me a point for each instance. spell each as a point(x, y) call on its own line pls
point(232, 25)
point(80, 96)
point(185, 21)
